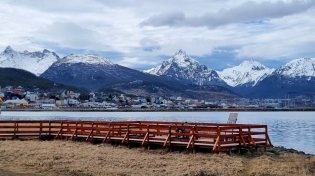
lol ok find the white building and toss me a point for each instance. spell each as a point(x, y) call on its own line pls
point(72, 102)
point(48, 106)
point(179, 98)
point(31, 96)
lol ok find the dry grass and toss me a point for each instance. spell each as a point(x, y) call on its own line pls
point(75, 158)
point(285, 164)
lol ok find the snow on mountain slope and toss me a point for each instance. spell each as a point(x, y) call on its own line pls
point(184, 68)
point(298, 68)
point(152, 71)
point(91, 59)
point(34, 62)
point(180, 60)
point(295, 78)
point(248, 74)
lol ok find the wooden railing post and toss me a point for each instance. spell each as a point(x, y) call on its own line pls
point(111, 127)
point(269, 138)
point(146, 137)
point(60, 131)
point(192, 140)
point(91, 133)
point(217, 144)
point(250, 138)
point(68, 129)
point(77, 129)
point(128, 130)
point(82, 131)
point(49, 128)
point(15, 129)
point(40, 129)
point(108, 134)
point(126, 137)
point(241, 139)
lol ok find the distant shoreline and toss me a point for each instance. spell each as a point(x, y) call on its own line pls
point(160, 110)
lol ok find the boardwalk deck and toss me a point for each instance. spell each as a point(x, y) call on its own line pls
point(216, 137)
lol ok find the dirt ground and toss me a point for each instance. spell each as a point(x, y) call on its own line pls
point(54, 158)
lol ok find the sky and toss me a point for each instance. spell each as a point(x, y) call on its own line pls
point(141, 34)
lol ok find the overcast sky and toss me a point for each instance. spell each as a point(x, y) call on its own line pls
point(141, 34)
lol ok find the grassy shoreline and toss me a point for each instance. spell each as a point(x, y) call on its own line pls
point(34, 157)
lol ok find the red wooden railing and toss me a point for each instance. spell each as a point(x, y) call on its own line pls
point(217, 137)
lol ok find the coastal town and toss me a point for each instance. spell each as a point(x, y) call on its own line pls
point(21, 98)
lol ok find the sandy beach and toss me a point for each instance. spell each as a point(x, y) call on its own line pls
point(52, 158)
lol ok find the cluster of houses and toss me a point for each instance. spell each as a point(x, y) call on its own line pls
point(18, 97)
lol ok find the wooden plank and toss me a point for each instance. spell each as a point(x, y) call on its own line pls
point(145, 139)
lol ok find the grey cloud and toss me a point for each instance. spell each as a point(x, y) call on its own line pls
point(69, 34)
point(60, 6)
point(149, 45)
point(171, 19)
point(249, 11)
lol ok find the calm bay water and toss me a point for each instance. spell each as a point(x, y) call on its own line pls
point(289, 129)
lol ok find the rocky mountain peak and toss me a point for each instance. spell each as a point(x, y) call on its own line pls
point(252, 65)
point(248, 74)
point(186, 69)
point(46, 51)
point(180, 52)
point(8, 50)
point(181, 59)
point(298, 67)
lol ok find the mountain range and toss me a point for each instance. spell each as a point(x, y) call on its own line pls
point(92, 72)
point(249, 79)
point(179, 73)
point(294, 78)
point(34, 62)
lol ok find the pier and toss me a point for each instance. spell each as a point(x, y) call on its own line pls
point(215, 137)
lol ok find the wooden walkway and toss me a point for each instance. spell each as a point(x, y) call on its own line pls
point(213, 136)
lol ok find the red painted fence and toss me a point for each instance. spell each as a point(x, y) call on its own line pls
point(213, 136)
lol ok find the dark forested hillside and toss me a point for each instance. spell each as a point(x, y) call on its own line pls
point(18, 77)
point(152, 88)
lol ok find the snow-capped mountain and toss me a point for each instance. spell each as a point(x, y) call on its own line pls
point(92, 72)
point(186, 69)
point(90, 59)
point(247, 74)
point(297, 77)
point(34, 62)
point(303, 67)
point(180, 60)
